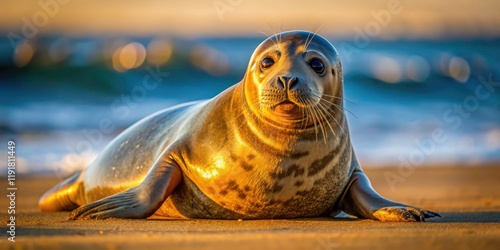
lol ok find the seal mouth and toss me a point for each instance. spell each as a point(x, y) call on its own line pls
point(288, 110)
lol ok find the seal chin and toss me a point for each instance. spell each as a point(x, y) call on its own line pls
point(288, 110)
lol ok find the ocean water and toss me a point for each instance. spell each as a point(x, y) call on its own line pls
point(415, 103)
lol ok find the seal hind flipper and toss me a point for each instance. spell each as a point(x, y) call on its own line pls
point(137, 202)
point(61, 197)
point(360, 199)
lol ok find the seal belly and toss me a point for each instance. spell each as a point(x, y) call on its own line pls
point(253, 186)
point(245, 202)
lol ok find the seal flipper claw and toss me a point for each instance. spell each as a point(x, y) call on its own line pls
point(361, 200)
point(430, 214)
point(397, 214)
point(392, 213)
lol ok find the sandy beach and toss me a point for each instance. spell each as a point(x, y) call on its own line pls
point(468, 199)
point(418, 82)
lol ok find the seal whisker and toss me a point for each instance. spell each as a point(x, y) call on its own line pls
point(320, 95)
point(280, 31)
point(263, 33)
point(308, 35)
point(329, 103)
point(333, 117)
point(316, 32)
point(317, 118)
point(328, 109)
point(306, 43)
point(299, 98)
point(309, 118)
point(331, 96)
point(341, 109)
point(322, 122)
point(304, 113)
point(275, 35)
point(307, 40)
point(325, 113)
point(268, 36)
point(312, 116)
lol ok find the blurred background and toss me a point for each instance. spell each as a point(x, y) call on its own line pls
point(422, 78)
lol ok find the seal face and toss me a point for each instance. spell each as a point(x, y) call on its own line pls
point(293, 80)
point(275, 145)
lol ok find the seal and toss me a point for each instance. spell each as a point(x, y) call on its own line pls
point(275, 145)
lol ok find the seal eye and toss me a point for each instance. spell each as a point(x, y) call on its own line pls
point(266, 63)
point(317, 65)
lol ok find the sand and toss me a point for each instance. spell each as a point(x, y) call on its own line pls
point(468, 198)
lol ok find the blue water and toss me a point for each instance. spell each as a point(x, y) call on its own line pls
point(408, 102)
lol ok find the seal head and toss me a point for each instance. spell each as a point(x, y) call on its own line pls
point(292, 78)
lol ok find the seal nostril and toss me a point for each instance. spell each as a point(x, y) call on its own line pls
point(282, 82)
point(287, 82)
point(292, 83)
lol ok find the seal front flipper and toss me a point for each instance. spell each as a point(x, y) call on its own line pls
point(138, 202)
point(362, 200)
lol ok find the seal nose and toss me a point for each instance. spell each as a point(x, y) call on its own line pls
point(287, 82)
